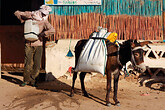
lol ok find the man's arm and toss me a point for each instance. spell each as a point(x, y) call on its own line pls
point(22, 16)
point(48, 30)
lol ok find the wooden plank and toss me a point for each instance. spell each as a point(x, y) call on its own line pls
point(163, 22)
point(0, 60)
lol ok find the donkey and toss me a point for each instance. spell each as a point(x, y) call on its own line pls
point(117, 57)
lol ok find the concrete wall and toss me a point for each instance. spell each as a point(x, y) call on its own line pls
point(57, 62)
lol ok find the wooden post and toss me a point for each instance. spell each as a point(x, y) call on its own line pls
point(163, 20)
point(0, 60)
point(163, 24)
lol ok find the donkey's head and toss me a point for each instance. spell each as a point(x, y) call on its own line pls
point(134, 52)
point(137, 55)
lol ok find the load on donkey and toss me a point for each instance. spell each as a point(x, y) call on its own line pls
point(116, 56)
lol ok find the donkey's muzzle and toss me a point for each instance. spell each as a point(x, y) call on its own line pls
point(140, 68)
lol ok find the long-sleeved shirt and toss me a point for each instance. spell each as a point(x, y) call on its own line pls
point(45, 28)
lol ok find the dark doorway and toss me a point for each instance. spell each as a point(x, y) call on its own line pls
point(11, 30)
point(8, 7)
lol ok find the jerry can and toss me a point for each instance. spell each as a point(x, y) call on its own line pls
point(112, 37)
point(31, 30)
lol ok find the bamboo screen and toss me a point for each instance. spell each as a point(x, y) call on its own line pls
point(131, 19)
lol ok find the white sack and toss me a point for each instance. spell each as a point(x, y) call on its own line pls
point(94, 55)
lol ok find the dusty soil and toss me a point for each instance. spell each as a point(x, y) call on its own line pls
point(54, 95)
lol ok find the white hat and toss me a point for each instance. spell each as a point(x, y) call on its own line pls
point(36, 15)
point(45, 9)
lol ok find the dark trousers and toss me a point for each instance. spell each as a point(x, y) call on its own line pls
point(33, 55)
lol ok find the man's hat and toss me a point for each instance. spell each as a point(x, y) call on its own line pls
point(45, 9)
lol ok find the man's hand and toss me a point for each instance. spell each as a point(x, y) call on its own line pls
point(41, 35)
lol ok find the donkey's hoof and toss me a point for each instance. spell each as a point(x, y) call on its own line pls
point(108, 104)
point(117, 104)
point(71, 95)
point(86, 95)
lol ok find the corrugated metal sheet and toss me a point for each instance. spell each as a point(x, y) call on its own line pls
point(137, 19)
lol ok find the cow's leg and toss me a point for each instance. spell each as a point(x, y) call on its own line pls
point(116, 80)
point(82, 77)
point(108, 88)
point(74, 79)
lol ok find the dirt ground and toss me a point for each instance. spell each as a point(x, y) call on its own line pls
point(54, 95)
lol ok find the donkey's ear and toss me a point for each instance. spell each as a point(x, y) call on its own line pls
point(135, 41)
point(133, 45)
point(145, 43)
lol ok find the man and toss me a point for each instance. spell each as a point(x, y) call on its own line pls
point(34, 49)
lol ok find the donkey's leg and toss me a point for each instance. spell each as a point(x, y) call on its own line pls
point(108, 88)
point(116, 80)
point(82, 77)
point(74, 79)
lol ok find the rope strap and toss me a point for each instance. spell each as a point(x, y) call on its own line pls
point(31, 33)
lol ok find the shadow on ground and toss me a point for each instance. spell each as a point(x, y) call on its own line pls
point(55, 91)
point(11, 78)
point(51, 94)
point(155, 83)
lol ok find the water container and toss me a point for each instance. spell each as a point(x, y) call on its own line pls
point(31, 30)
point(112, 37)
